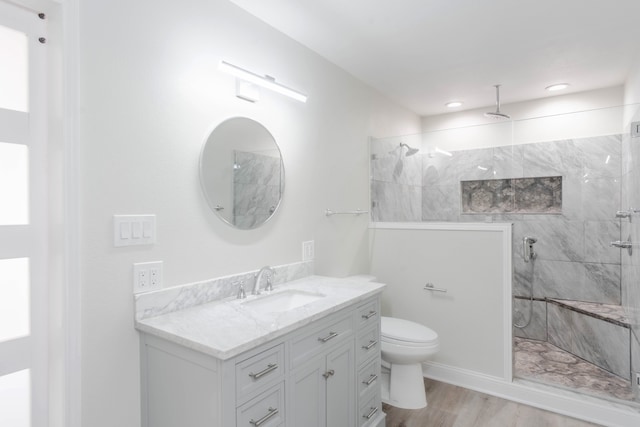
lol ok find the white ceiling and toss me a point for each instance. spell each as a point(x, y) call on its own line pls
point(424, 53)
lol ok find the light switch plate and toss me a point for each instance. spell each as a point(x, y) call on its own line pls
point(130, 230)
point(147, 276)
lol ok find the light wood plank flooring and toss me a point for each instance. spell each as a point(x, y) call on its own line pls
point(452, 406)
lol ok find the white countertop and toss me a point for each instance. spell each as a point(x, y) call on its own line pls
point(226, 328)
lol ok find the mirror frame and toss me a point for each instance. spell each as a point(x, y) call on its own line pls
point(205, 187)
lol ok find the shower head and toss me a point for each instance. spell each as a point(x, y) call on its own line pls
point(410, 151)
point(497, 114)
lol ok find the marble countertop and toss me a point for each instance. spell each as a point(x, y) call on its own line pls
point(228, 327)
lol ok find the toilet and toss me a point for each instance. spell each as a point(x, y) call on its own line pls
point(405, 345)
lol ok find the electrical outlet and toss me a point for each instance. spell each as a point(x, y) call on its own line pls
point(155, 276)
point(147, 276)
point(143, 279)
point(307, 251)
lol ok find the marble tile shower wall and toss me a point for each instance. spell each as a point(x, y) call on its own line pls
point(396, 183)
point(256, 188)
point(631, 231)
point(574, 258)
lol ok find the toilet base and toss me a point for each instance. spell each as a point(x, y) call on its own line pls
point(405, 387)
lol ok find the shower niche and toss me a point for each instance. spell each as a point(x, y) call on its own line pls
point(518, 195)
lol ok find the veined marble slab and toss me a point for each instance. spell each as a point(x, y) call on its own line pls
point(228, 327)
point(164, 301)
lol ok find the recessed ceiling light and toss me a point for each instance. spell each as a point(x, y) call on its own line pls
point(453, 104)
point(559, 86)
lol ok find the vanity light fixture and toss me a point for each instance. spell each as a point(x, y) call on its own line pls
point(558, 86)
point(267, 82)
point(453, 104)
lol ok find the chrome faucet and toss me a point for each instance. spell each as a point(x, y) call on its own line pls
point(241, 293)
point(270, 272)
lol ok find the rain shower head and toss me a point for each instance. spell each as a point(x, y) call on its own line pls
point(410, 151)
point(497, 114)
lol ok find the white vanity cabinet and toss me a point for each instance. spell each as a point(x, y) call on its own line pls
point(322, 374)
point(322, 383)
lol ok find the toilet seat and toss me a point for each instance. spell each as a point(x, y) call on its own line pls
point(407, 333)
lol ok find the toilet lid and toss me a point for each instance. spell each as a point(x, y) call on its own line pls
point(405, 330)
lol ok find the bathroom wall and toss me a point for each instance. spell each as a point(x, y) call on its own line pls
point(468, 261)
point(545, 106)
point(574, 260)
point(396, 180)
point(149, 95)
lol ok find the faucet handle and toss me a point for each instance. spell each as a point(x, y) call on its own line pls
point(241, 292)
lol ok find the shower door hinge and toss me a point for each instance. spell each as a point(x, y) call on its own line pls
point(635, 129)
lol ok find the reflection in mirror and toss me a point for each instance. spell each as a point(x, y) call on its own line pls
point(242, 173)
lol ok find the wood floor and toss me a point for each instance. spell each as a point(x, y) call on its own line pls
point(451, 406)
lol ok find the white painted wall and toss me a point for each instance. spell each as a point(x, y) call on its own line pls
point(632, 86)
point(150, 93)
point(553, 105)
point(577, 115)
point(471, 262)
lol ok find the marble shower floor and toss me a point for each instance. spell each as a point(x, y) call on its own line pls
point(543, 362)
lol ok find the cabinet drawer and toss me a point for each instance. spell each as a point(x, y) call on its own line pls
point(369, 411)
point(312, 341)
point(266, 410)
point(369, 377)
point(368, 314)
point(259, 370)
point(368, 343)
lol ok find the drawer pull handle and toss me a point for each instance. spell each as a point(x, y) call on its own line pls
point(370, 315)
point(371, 413)
point(331, 336)
point(272, 412)
point(371, 379)
point(328, 373)
point(372, 344)
point(270, 367)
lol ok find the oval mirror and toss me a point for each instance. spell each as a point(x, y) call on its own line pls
point(241, 173)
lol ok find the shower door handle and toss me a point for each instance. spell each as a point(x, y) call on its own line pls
point(623, 245)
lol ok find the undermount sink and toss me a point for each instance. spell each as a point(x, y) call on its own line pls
point(282, 301)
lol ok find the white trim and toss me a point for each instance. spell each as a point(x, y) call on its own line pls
point(39, 220)
point(450, 226)
point(507, 295)
point(563, 402)
point(72, 271)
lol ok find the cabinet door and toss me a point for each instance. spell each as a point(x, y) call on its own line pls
point(340, 387)
point(307, 396)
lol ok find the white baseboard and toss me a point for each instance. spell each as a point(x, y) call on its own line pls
point(563, 402)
